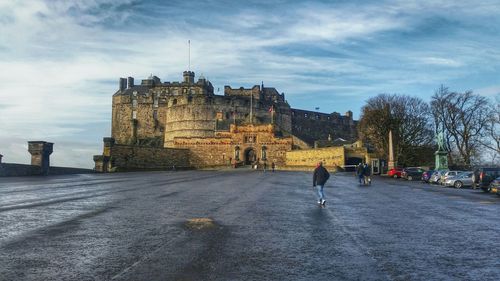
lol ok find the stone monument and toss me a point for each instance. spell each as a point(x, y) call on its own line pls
point(441, 154)
point(392, 164)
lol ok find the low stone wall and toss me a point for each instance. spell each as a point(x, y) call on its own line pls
point(134, 158)
point(20, 170)
point(332, 157)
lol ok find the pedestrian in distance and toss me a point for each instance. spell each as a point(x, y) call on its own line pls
point(273, 166)
point(320, 177)
point(264, 167)
point(367, 172)
point(359, 173)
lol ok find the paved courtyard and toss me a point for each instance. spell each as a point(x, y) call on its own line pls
point(243, 225)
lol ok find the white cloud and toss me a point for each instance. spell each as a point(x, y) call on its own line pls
point(441, 61)
point(492, 91)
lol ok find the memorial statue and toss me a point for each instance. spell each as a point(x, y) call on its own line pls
point(440, 142)
point(441, 162)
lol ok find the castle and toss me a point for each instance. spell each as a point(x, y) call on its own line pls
point(160, 125)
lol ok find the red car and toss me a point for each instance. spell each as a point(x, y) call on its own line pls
point(395, 172)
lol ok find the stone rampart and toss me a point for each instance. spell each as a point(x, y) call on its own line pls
point(310, 126)
point(134, 158)
point(332, 157)
point(21, 170)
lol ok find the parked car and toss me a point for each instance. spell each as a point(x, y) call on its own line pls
point(395, 172)
point(436, 176)
point(495, 186)
point(411, 173)
point(484, 176)
point(449, 174)
point(426, 176)
point(460, 180)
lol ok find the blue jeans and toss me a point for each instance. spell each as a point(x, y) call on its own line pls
point(321, 195)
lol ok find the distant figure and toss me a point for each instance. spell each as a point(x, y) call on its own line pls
point(273, 166)
point(320, 177)
point(264, 167)
point(359, 173)
point(367, 172)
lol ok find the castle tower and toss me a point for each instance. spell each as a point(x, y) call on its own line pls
point(188, 77)
point(40, 153)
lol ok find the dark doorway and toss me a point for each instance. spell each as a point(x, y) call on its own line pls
point(351, 162)
point(250, 156)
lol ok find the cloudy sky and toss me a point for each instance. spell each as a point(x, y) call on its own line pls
point(60, 60)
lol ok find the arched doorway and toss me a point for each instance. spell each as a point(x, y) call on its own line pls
point(250, 156)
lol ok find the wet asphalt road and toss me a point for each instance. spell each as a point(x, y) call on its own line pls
point(266, 227)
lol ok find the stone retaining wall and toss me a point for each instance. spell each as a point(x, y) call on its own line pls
point(20, 170)
point(133, 158)
point(332, 157)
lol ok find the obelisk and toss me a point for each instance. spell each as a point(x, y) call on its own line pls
point(391, 163)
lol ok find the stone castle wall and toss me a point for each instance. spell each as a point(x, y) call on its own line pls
point(133, 158)
point(310, 126)
point(331, 157)
point(202, 116)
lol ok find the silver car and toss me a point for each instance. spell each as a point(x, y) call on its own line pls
point(449, 174)
point(436, 176)
point(460, 180)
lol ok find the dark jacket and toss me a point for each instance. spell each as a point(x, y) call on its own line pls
point(359, 169)
point(320, 176)
point(367, 170)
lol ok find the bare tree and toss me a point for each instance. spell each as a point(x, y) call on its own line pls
point(463, 116)
point(492, 130)
point(407, 117)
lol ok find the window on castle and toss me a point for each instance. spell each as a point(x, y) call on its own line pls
point(155, 114)
point(134, 114)
point(264, 153)
point(155, 101)
point(190, 99)
point(305, 115)
point(134, 103)
point(174, 102)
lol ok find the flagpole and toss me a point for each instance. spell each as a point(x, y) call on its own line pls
point(189, 55)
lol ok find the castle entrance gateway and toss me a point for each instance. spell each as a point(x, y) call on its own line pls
point(250, 156)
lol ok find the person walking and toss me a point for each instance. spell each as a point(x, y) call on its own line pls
point(367, 172)
point(359, 173)
point(273, 166)
point(320, 177)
